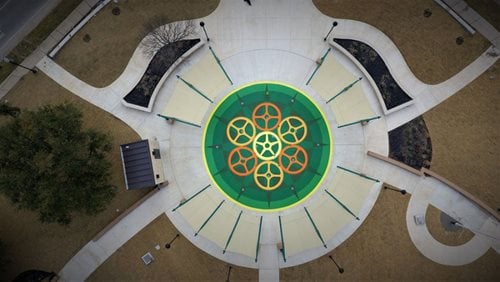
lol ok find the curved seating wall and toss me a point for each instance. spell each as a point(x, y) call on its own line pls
point(142, 96)
point(393, 96)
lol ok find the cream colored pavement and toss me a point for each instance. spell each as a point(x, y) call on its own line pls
point(277, 40)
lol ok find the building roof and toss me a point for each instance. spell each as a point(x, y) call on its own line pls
point(138, 169)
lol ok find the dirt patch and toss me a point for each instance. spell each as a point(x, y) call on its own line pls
point(32, 244)
point(115, 37)
point(465, 137)
point(182, 262)
point(427, 43)
point(382, 250)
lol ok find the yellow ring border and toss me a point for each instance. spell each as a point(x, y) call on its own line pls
point(329, 156)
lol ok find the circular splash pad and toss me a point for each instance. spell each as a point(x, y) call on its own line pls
point(267, 146)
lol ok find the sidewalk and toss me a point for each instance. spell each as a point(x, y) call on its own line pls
point(476, 21)
point(47, 45)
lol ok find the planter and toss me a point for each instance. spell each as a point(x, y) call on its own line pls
point(391, 93)
point(142, 96)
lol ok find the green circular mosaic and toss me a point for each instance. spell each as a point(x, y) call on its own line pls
point(267, 146)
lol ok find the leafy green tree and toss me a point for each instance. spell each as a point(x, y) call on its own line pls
point(51, 165)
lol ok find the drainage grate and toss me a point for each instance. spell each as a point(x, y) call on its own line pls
point(147, 258)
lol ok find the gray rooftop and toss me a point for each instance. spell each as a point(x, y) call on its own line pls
point(136, 158)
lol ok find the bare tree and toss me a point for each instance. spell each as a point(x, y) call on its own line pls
point(161, 34)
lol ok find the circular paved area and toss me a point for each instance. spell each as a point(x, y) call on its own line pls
point(189, 146)
point(267, 146)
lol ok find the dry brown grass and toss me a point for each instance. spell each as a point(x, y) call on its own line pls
point(465, 137)
point(427, 44)
point(381, 250)
point(182, 262)
point(32, 244)
point(114, 38)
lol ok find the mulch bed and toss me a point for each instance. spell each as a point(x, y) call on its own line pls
point(161, 62)
point(411, 144)
point(392, 94)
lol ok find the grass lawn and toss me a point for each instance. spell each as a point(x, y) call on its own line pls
point(38, 35)
point(33, 245)
point(182, 262)
point(465, 137)
point(427, 44)
point(114, 38)
point(381, 250)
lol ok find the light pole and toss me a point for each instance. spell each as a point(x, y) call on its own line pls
point(331, 28)
point(202, 24)
point(341, 270)
point(7, 60)
point(169, 244)
point(403, 192)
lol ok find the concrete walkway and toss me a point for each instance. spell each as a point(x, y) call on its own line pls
point(476, 21)
point(427, 191)
point(278, 40)
point(47, 45)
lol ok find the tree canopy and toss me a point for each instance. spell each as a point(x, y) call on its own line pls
point(51, 165)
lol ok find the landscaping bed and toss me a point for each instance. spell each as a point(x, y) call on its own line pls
point(392, 94)
point(159, 65)
point(411, 144)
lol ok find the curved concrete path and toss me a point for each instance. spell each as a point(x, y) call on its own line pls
point(427, 191)
point(433, 249)
point(278, 40)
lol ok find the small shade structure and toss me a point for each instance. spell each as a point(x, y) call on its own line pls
point(142, 164)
